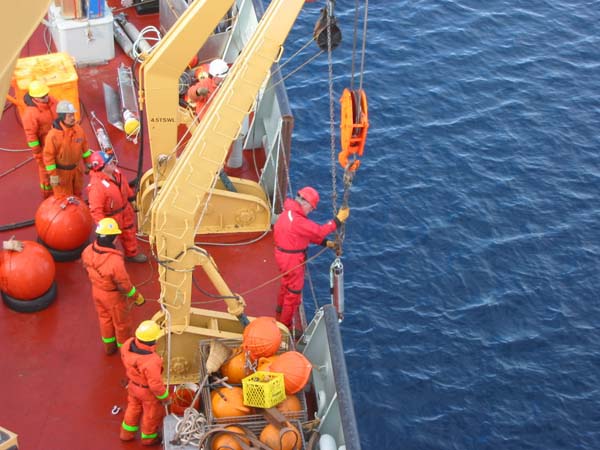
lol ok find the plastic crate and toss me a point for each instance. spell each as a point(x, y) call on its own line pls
point(263, 389)
point(56, 70)
point(89, 42)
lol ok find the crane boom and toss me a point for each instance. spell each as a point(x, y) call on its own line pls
point(186, 191)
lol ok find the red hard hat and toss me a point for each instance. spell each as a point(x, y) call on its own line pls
point(98, 160)
point(310, 195)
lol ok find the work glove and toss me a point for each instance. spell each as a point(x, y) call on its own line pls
point(37, 154)
point(343, 214)
point(332, 245)
point(54, 180)
point(13, 244)
point(88, 167)
point(139, 300)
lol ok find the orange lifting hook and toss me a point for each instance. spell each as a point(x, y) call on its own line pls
point(354, 124)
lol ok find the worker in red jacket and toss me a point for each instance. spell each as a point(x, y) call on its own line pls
point(112, 290)
point(293, 232)
point(64, 149)
point(202, 92)
point(109, 195)
point(145, 390)
point(40, 112)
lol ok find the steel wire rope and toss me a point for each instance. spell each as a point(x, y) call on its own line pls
point(271, 280)
point(348, 176)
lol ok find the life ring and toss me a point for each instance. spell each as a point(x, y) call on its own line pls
point(354, 123)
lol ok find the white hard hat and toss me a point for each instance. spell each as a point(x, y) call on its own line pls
point(218, 68)
point(65, 106)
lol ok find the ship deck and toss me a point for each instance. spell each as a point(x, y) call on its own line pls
point(58, 387)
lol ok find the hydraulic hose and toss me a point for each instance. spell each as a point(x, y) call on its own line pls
point(16, 225)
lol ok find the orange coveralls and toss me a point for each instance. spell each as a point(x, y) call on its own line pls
point(145, 391)
point(110, 197)
point(111, 290)
point(37, 121)
point(293, 232)
point(63, 151)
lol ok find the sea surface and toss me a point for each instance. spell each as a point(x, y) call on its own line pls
point(472, 252)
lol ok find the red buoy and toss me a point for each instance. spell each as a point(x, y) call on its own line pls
point(64, 225)
point(27, 277)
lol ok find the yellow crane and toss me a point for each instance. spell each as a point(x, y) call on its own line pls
point(177, 191)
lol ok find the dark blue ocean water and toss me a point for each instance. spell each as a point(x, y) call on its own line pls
point(472, 253)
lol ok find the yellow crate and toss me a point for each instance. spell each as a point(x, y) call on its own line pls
point(263, 389)
point(57, 70)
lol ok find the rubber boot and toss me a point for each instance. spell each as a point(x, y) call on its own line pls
point(139, 258)
point(125, 435)
point(152, 441)
point(110, 347)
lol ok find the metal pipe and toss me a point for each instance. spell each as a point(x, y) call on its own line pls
point(122, 39)
point(336, 285)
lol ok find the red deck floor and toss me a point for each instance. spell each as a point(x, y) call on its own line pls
point(57, 387)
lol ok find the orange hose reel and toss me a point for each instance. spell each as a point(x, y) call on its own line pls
point(354, 123)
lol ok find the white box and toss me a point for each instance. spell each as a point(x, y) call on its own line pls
point(89, 42)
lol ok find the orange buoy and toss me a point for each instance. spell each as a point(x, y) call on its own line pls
point(287, 438)
point(27, 277)
point(224, 441)
point(295, 369)
point(64, 225)
point(228, 402)
point(290, 404)
point(235, 368)
point(262, 337)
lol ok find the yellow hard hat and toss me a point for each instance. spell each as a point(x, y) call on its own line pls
point(38, 89)
point(108, 226)
point(131, 126)
point(147, 331)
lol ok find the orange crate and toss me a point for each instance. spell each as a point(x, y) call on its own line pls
point(57, 70)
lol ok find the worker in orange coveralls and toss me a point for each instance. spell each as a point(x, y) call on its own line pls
point(112, 290)
point(109, 195)
point(145, 390)
point(293, 232)
point(202, 92)
point(64, 149)
point(40, 112)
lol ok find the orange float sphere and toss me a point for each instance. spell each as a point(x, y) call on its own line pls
point(262, 337)
point(63, 223)
point(281, 439)
point(235, 368)
point(295, 369)
point(227, 442)
point(28, 274)
point(228, 402)
point(290, 404)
